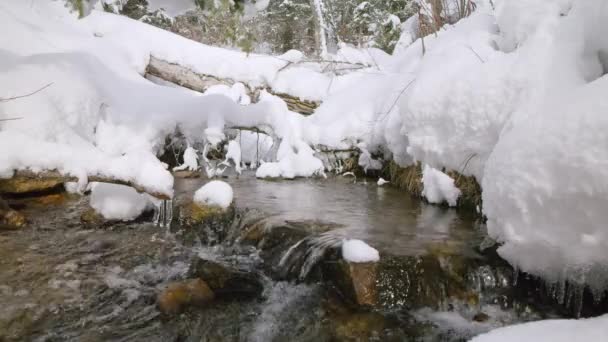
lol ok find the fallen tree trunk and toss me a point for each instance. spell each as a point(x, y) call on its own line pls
point(24, 181)
point(188, 78)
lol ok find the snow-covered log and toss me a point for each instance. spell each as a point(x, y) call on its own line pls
point(54, 177)
point(188, 78)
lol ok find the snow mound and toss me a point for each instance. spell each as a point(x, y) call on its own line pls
point(118, 202)
point(358, 251)
point(559, 330)
point(545, 189)
point(296, 160)
point(439, 187)
point(190, 160)
point(215, 194)
point(234, 153)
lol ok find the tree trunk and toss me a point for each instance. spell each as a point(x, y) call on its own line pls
point(190, 79)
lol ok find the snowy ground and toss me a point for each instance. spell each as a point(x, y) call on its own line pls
point(514, 95)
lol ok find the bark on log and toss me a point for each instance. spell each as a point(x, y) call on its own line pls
point(190, 79)
point(24, 181)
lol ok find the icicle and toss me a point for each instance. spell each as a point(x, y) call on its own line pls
point(163, 215)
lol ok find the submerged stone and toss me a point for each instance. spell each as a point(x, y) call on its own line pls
point(91, 218)
point(225, 281)
point(179, 295)
point(9, 218)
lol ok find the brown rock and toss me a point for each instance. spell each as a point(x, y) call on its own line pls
point(91, 218)
point(179, 295)
point(480, 317)
point(53, 199)
point(9, 218)
point(12, 219)
point(23, 184)
point(355, 281)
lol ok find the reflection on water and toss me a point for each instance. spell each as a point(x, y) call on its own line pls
point(385, 217)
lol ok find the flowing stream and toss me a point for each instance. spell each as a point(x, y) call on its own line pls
point(63, 281)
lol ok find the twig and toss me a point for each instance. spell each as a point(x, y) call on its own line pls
point(478, 56)
point(10, 119)
point(397, 99)
point(22, 96)
point(373, 59)
point(466, 163)
point(285, 66)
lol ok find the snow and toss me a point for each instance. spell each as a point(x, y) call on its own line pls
point(382, 181)
point(545, 188)
point(559, 330)
point(358, 251)
point(190, 160)
point(296, 160)
point(118, 202)
point(481, 97)
point(439, 187)
point(215, 194)
point(234, 154)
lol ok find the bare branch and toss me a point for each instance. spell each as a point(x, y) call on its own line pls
point(26, 95)
point(476, 54)
point(397, 99)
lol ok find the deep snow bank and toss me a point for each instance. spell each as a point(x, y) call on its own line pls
point(545, 185)
point(99, 116)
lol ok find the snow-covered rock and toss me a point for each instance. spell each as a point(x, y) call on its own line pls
point(439, 187)
point(358, 251)
point(214, 194)
point(190, 160)
point(294, 161)
point(382, 181)
point(118, 202)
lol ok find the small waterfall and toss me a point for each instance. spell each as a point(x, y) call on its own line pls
point(306, 253)
point(163, 213)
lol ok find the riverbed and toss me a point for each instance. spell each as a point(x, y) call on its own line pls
point(63, 281)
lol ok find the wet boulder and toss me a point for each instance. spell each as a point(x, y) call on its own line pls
point(227, 282)
point(207, 224)
point(9, 218)
point(356, 282)
point(25, 182)
point(91, 218)
point(177, 296)
point(291, 250)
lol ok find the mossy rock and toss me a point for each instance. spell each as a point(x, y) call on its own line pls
point(415, 282)
point(24, 185)
point(207, 224)
point(12, 220)
point(92, 218)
